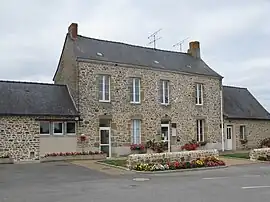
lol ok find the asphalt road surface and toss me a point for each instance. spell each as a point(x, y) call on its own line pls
point(62, 182)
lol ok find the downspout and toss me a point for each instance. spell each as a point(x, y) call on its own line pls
point(221, 118)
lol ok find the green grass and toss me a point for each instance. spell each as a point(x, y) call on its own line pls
point(119, 162)
point(237, 155)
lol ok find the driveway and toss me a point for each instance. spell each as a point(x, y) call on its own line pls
point(63, 182)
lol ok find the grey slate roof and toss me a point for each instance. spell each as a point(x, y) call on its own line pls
point(239, 103)
point(87, 48)
point(26, 98)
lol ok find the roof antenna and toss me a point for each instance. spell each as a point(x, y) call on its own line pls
point(154, 39)
point(180, 43)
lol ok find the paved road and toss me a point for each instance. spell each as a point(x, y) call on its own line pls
point(62, 182)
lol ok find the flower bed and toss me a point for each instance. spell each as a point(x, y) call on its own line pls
point(6, 159)
point(156, 158)
point(262, 154)
point(63, 156)
point(210, 161)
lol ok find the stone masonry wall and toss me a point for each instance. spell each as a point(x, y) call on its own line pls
point(18, 137)
point(182, 109)
point(256, 131)
point(67, 72)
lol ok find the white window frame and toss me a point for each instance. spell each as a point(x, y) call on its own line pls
point(62, 128)
point(200, 124)
point(243, 133)
point(163, 101)
point(66, 128)
point(45, 134)
point(199, 88)
point(132, 131)
point(103, 88)
point(134, 89)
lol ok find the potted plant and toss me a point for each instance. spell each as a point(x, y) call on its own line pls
point(192, 145)
point(137, 148)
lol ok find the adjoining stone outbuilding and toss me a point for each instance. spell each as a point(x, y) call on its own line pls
point(36, 119)
point(246, 121)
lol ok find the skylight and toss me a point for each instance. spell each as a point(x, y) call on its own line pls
point(157, 62)
point(99, 54)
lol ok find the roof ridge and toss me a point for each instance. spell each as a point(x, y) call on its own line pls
point(234, 87)
point(132, 45)
point(30, 82)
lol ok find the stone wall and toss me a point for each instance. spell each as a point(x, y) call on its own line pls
point(67, 72)
point(19, 136)
point(256, 131)
point(181, 110)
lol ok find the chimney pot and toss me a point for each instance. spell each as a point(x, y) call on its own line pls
point(73, 31)
point(194, 49)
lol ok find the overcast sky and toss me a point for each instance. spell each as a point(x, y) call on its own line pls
point(234, 34)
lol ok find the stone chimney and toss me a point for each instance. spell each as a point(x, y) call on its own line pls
point(73, 31)
point(194, 49)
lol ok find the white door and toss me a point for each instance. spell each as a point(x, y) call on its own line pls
point(105, 140)
point(228, 139)
point(165, 135)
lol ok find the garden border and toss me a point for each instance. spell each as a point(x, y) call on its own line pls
point(163, 171)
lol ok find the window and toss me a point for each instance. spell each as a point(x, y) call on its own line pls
point(199, 94)
point(243, 132)
point(200, 130)
point(164, 92)
point(135, 90)
point(44, 128)
point(136, 131)
point(58, 128)
point(70, 127)
point(104, 88)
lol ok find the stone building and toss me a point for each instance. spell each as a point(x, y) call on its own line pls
point(246, 121)
point(130, 94)
point(119, 94)
point(36, 119)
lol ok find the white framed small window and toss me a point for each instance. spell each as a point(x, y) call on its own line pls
point(136, 90)
point(70, 128)
point(243, 132)
point(164, 92)
point(58, 128)
point(104, 88)
point(200, 130)
point(136, 131)
point(44, 128)
point(199, 94)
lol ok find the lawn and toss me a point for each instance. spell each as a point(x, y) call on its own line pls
point(118, 162)
point(237, 155)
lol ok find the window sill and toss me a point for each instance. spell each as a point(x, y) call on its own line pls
point(135, 103)
point(199, 105)
point(70, 134)
point(165, 104)
point(105, 101)
point(45, 135)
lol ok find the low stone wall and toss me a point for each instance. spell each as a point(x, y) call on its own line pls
point(6, 161)
point(254, 154)
point(186, 156)
point(74, 158)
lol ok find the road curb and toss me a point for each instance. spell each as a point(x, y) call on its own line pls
point(163, 171)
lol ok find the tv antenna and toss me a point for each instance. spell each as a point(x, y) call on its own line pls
point(153, 38)
point(180, 43)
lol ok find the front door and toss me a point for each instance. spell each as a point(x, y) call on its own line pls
point(165, 135)
point(105, 140)
point(228, 139)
